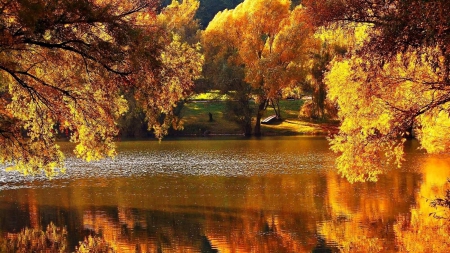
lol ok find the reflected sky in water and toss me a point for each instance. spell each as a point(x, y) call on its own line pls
point(241, 195)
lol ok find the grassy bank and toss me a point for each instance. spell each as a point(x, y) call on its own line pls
point(195, 116)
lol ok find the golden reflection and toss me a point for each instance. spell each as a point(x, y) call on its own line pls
point(419, 231)
point(249, 231)
point(305, 211)
point(33, 209)
point(278, 215)
point(360, 213)
point(254, 233)
point(110, 231)
point(53, 239)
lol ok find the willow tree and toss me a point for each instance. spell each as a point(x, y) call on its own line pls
point(181, 63)
point(63, 65)
point(334, 42)
point(269, 40)
point(396, 81)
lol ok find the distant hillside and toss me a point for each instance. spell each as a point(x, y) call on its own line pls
point(209, 8)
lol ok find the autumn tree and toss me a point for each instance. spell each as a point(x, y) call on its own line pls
point(181, 63)
point(334, 42)
point(396, 81)
point(63, 65)
point(229, 80)
point(220, 73)
point(269, 40)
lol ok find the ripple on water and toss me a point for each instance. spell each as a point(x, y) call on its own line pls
point(227, 161)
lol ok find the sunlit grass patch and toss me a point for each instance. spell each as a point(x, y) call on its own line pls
point(211, 95)
point(297, 127)
point(195, 116)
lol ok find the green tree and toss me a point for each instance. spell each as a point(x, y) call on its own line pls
point(334, 43)
point(229, 80)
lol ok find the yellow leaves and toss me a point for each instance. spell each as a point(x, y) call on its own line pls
point(361, 34)
point(40, 156)
point(267, 37)
point(179, 15)
point(66, 71)
point(434, 133)
point(47, 35)
point(181, 64)
point(378, 106)
point(338, 39)
point(265, 16)
point(41, 108)
point(100, 30)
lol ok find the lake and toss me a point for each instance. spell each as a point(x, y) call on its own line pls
point(274, 194)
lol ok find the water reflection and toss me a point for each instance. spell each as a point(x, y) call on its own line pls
point(418, 225)
point(53, 239)
point(214, 196)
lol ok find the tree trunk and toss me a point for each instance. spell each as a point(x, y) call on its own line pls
point(248, 129)
point(276, 107)
point(259, 114)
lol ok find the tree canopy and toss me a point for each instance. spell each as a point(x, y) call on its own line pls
point(268, 39)
point(63, 66)
point(393, 84)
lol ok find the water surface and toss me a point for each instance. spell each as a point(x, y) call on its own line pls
point(239, 195)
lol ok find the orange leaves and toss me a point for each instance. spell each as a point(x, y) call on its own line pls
point(64, 69)
point(266, 37)
point(180, 64)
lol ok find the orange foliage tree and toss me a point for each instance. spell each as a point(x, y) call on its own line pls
point(63, 65)
point(269, 40)
point(180, 63)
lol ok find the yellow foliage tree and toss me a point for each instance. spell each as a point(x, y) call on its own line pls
point(269, 39)
point(379, 109)
point(181, 63)
point(63, 66)
point(395, 83)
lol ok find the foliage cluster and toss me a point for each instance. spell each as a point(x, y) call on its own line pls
point(66, 65)
point(53, 239)
point(392, 84)
point(259, 48)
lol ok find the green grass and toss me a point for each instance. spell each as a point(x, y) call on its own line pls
point(289, 109)
point(212, 95)
point(196, 120)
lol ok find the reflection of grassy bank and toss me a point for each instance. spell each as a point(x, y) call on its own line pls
point(196, 120)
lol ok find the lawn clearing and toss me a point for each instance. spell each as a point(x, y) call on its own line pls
point(195, 117)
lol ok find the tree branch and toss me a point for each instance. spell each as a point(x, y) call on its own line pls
point(66, 47)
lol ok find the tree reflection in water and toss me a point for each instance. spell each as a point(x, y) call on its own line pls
point(311, 210)
point(53, 239)
point(420, 230)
